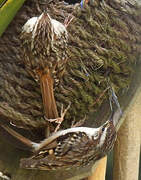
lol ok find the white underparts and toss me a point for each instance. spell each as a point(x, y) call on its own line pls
point(59, 28)
point(103, 136)
point(35, 146)
point(29, 25)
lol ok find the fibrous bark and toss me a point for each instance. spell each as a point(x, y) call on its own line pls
point(104, 40)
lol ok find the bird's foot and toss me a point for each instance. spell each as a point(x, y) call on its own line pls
point(59, 120)
point(68, 20)
point(79, 123)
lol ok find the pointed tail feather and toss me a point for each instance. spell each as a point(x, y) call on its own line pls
point(50, 108)
point(17, 138)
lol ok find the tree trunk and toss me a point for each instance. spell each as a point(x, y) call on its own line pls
point(127, 147)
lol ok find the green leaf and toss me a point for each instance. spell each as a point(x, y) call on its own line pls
point(2, 2)
point(8, 11)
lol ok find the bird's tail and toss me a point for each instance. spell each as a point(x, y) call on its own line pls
point(19, 140)
point(50, 108)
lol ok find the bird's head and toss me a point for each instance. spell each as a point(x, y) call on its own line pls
point(44, 16)
point(43, 25)
point(107, 136)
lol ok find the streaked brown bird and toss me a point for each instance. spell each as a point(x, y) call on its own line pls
point(44, 46)
point(73, 147)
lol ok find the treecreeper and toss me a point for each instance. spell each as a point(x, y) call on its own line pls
point(67, 53)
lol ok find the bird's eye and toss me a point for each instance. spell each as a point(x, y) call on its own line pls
point(103, 128)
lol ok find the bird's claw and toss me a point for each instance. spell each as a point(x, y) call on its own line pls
point(68, 20)
point(59, 120)
point(79, 123)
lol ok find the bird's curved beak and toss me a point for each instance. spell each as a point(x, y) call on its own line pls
point(116, 117)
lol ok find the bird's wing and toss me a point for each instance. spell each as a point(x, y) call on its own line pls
point(62, 133)
point(72, 149)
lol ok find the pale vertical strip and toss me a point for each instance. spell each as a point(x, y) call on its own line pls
point(100, 171)
point(127, 147)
